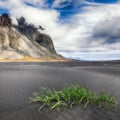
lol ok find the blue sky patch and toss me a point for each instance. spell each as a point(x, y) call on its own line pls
point(3, 11)
point(103, 1)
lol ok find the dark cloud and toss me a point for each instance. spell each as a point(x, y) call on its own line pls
point(109, 30)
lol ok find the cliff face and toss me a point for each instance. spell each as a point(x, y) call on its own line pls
point(32, 33)
point(18, 42)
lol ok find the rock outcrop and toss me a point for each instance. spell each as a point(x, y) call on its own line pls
point(5, 20)
point(24, 40)
point(32, 33)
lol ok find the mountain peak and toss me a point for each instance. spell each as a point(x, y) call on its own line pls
point(24, 40)
point(5, 20)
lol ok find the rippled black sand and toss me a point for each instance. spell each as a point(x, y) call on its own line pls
point(19, 80)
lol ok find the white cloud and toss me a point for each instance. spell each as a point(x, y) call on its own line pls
point(38, 3)
point(64, 3)
point(58, 3)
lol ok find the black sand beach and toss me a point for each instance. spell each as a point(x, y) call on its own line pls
point(19, 80)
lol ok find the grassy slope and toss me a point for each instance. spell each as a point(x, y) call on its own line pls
point(30, 59)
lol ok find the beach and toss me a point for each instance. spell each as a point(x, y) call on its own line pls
point(19, 80)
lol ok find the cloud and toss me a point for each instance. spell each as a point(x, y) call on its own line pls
point(91, 56)
point(61, 3)
point(100, 28)
point(11, 4)
point(65, 3)
point(36, 3)
point(109, 30)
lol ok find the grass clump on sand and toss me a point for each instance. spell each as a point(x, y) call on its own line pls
point(72, 95)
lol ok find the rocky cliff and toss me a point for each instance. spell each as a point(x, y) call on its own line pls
point(24, 40)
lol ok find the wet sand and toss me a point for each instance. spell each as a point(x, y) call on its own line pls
point(19, 80)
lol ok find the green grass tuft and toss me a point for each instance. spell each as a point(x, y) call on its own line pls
point(72, 95)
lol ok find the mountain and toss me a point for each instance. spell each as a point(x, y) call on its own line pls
point(24, 41)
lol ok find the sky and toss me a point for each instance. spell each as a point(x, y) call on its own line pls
point(80, 29)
